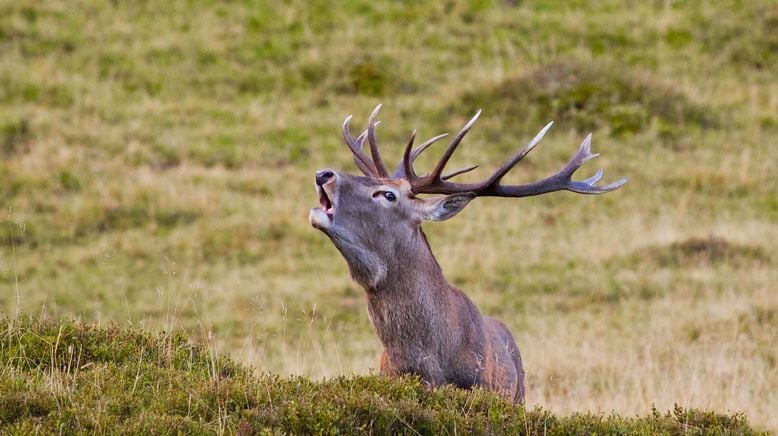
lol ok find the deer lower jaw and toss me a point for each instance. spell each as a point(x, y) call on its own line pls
point(319, 218)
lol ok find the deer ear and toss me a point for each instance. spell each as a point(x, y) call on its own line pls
point(446, 206)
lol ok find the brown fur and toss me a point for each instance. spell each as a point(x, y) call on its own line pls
point(427, 326)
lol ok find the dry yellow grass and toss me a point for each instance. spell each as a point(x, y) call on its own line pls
point(158, 161)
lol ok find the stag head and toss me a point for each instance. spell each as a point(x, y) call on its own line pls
point(369, 217)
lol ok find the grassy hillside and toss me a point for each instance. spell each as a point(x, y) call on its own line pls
point(157, 161)
point(69, 377)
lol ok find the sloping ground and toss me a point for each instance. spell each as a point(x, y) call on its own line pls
point(156, 164)
point(70, 377)
point(588, 96)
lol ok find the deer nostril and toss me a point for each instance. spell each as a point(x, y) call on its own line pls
point(323, 176)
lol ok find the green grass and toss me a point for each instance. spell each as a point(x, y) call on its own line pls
point(156, 165)
point(71, 377)
point(590, 96)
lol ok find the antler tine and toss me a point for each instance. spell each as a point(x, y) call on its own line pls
point(507, 166)
point(361, 139)
point(400, 171)
point(407, 162)
point(595, 178)
point(435, 175)
point(360, 159)
point(378, 162)
point(425, 145)
point(458, 172)
point(586, 186)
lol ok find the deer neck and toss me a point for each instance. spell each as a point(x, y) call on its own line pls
point(408, 306)
point(402, 268)
point(410, 268)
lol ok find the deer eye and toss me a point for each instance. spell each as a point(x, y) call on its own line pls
point(390, 196)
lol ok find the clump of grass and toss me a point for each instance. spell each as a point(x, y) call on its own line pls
point(14, 137)
point(72, 377)
point(748, 38)
point(588, 96)
point(32, 345)
point(696, 251)
point(366, 76)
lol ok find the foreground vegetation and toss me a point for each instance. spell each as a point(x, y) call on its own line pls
point(156, 164)
point(70, 377)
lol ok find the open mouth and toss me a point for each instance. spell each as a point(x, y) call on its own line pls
point(326, 203)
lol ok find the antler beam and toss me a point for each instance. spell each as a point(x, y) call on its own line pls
point(434, 183)
point(437, 183)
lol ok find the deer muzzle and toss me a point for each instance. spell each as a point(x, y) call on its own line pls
point(321, 217)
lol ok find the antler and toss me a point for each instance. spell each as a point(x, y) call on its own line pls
point(437, 183)
point(434, 183)
point(371, 168)
point(377, 161)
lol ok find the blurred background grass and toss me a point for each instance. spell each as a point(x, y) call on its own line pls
point(157, 164)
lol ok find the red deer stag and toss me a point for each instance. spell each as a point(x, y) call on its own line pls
point(427, 326)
